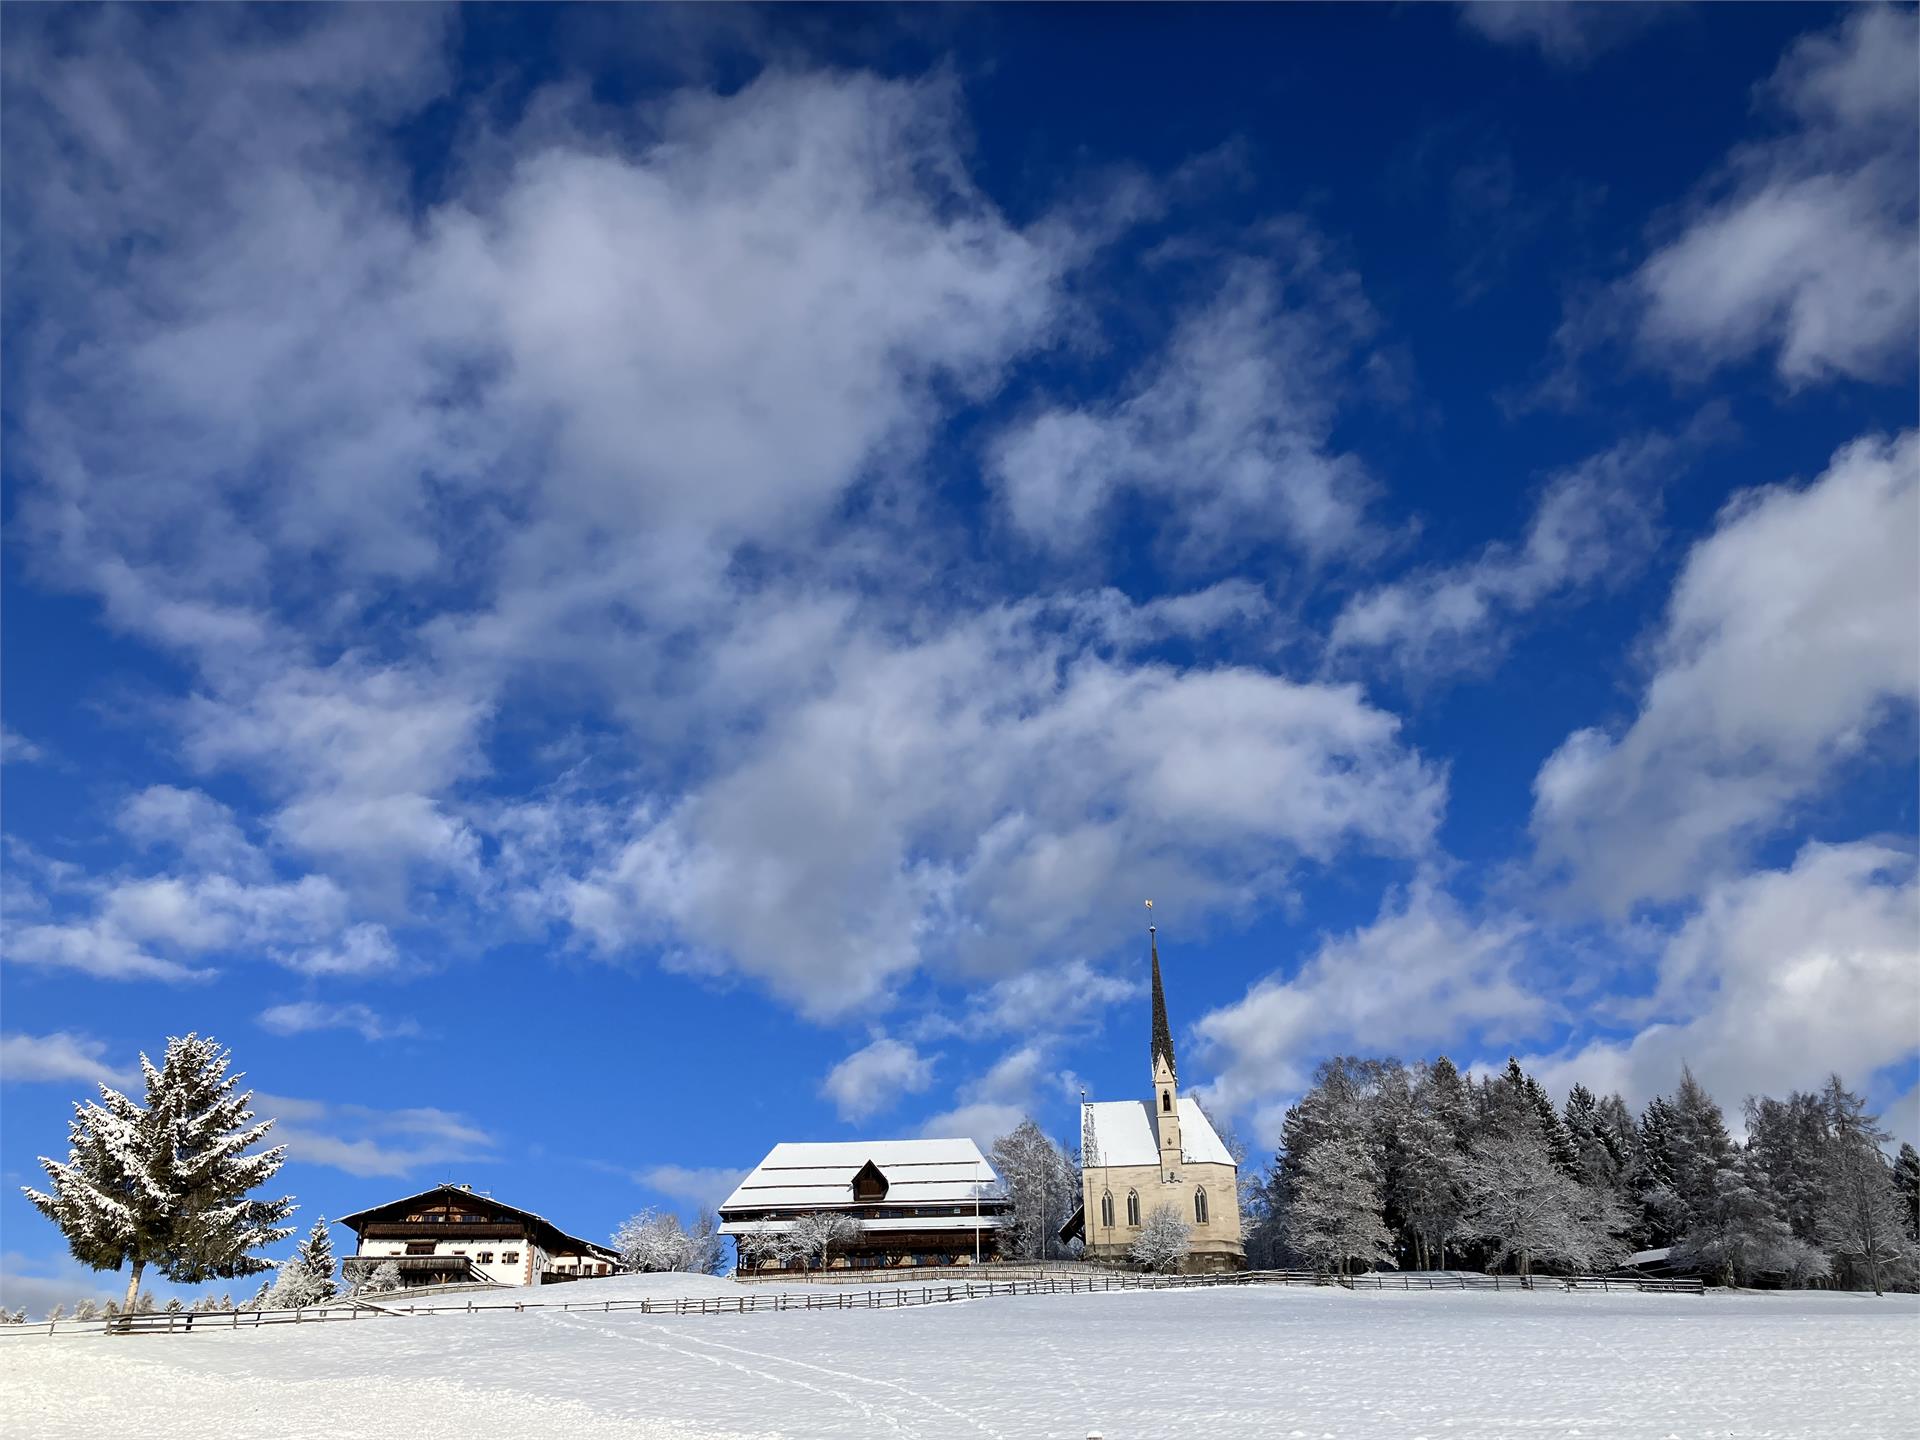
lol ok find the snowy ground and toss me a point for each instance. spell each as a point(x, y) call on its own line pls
point(1227, 1362)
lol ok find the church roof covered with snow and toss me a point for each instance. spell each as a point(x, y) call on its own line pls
point(1122, 1132)
point(819, 1176)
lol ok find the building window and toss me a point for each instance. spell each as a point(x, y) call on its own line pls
point(1106, 1210)
point(1200, 1207)
point(486, 1257)
point(1166, 1102)
point(1133, 1207)
point(512, 1257)
point(420, 1247)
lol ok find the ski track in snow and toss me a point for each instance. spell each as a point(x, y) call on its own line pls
point(895, 1385)
point(625, 1333)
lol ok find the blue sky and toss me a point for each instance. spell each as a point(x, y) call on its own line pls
point(594, 589)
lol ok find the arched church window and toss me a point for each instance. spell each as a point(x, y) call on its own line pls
point(1166, 1102)
point(1106, 1209)
point(1133, 1207)
point(1200, 1207)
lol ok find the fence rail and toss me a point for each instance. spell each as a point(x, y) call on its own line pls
point(898, 1297)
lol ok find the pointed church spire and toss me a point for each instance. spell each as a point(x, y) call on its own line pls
point(1162, 1035)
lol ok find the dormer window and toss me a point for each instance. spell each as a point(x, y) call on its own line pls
point(869, 1184)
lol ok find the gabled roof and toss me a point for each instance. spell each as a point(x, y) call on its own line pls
point(550, 1236)
point(819, 1176)
point(1122, 1133)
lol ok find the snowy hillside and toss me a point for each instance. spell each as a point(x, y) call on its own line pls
point(1224, 1362)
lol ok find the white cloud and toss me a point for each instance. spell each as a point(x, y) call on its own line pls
point(1807, 248)
point(367, 1142)
point(875, 1077)
point(37, 1283)
point(1227, 435)
point(1792, 634)
point(703, 1187)
point(198, 828)
point(302, 1016)
point(363, 949)
point(991, 794)
point(17, 749)
point(1593, 525)
point(1050, 997)
point(1780, 977)
point(59, 1056)
point(627, 418)
point(996, 1101)
point(1567, 32)
point(1424, 972)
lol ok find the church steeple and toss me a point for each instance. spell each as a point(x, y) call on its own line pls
point(1166, 1084)
point(1162, 1034)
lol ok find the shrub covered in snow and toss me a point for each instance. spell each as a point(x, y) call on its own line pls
point(1163, 1241)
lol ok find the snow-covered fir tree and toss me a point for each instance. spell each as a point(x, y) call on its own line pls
point(168, 1184)
point(86, 1310)
point(1163, 1241)
point(59, 1312)
point(315, 1256)
point(1906, 1181)
point(1740, 1234)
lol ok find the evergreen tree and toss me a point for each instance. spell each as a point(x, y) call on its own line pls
point(1559, 1139)
point(1699, 1147)
point(167, 1184)
point(86, 1310)
point(315, 1256)
point(59, 1312)
point(1789, 1139)
point(1906, 1180)
point(1659, 1201)
point(174, 1307)
point(1741, 1234)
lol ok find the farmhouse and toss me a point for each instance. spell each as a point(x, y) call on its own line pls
point(915, 1202)
point(453, 1233)
point(1137, 1156)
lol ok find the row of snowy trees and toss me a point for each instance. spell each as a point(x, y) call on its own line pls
point(1385, 1164)
point(652, 1242)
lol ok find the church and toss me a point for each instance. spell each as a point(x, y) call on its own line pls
point(1137, 1156)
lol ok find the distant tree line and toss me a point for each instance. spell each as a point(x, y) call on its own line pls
point(1385, 1164)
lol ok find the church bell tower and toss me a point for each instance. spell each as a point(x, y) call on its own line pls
point(1166, 1082)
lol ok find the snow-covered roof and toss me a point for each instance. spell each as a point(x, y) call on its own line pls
point(819, 1175)
point(1123, 1133)
point(987, 1220)
point(1650, 1257)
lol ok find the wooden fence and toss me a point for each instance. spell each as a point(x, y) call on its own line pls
point(897, 1297)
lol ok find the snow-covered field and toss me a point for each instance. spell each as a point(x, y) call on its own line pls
point(1222, 1362)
